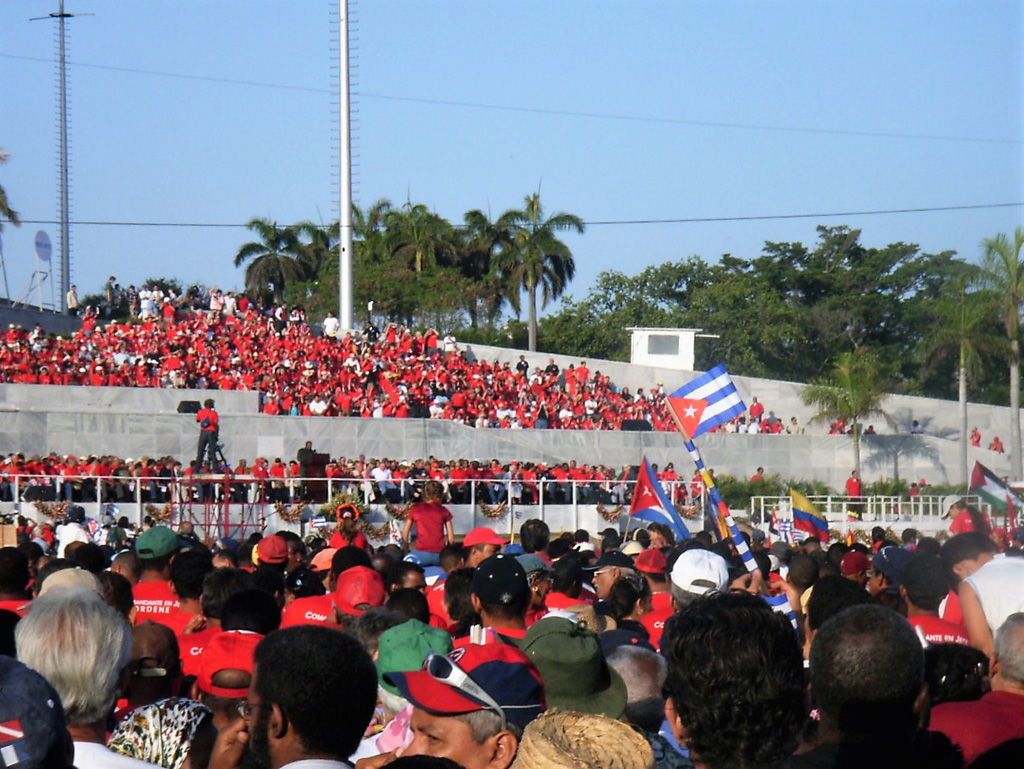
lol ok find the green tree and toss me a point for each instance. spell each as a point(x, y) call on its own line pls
point(962, 329)
point(417, 236)
point(1003, 272)
point(478, 242)
point(534, 258)
point(319, 245)
point(596, 326)
point(369, 233)
point(857, 389)
point(6, 212)
point(275, 260)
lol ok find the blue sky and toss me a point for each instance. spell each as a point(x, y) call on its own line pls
point(214, 112)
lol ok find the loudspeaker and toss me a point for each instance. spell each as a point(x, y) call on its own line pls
point(636, 426)
point(189, 407)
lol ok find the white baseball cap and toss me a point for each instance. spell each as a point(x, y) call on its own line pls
point(700, 572)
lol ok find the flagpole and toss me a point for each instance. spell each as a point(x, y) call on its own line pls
point(629, 521)
point(716, 498)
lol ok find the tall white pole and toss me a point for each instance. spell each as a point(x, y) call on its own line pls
point(65, 234)
point(345, 315)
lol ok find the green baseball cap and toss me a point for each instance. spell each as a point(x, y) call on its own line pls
point(403, 648)
point(572, 666)
point(156, 542)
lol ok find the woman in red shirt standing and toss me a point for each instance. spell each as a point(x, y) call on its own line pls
point(433, 525)
point(347, 535)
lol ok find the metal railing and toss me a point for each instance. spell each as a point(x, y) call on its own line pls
point(873, 509)
point(19, 490)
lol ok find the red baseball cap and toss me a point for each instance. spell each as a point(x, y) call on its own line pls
point(356, 586)
point(272, 549)
point(854, 562)
point(652, 561)
point(230, 650)
point(481, 535)
point(312, 610)
point(502, 671)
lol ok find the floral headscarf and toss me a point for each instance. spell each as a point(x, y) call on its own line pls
point(160, 733)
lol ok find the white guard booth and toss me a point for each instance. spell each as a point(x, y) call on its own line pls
point(664, 347)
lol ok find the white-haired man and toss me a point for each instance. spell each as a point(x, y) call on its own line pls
point(81, 646)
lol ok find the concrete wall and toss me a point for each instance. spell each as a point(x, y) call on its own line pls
point(131, 422)
point(28, 317)
point(938, 417)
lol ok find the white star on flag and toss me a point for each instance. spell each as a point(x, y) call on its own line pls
point(690, 411)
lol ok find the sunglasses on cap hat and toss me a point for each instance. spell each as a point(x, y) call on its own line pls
point(444, 669)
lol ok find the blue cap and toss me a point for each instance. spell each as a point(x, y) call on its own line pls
point(34, 731)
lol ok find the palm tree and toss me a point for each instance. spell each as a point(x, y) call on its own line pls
point(319, 245)
point(419, 236)
point(368, 230)
point(479, 241)
point(276, 258)
point(856, 390)
point(534, 258)
point(6, 212)
point(1003, 272)
point(963, 328)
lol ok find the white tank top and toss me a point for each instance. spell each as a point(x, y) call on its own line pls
point(1000, 588)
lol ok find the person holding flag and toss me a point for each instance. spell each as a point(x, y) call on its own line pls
point(697, 407)
point(651, 503)
point(806, 516)
point(989, 487)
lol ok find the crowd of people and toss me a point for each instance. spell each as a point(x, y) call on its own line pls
point(229, 343)
point(558, 650)
point(162, 479)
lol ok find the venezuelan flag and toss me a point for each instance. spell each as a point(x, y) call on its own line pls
point(806, 516)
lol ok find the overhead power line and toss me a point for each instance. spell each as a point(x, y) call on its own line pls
point(596, 223)
point(543, 111)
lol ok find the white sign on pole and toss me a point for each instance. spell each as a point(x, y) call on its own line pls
point(44, 249)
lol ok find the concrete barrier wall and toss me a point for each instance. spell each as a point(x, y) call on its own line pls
point(36, 419)
point(938, 417)
point(28, 316)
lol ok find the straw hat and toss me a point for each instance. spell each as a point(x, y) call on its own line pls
point(564, 740)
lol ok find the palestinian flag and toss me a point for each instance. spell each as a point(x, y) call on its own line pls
point(987, 485)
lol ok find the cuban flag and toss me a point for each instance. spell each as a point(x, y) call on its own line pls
point(708, 401)
point(651, 504)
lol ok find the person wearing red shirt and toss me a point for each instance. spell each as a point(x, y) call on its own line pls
point(854, 490)
point(209, 429)
point(924, 587)
point(566, 585)
point(756, 409)
point(347, 535)
point(154, 598)
point(433, 523)
point(278, 489)
point(998, 716)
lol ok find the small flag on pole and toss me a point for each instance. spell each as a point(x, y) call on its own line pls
point(708, 401)
point(806, 516)
point(987, 485)
point(651, 504)
point(786, 531)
